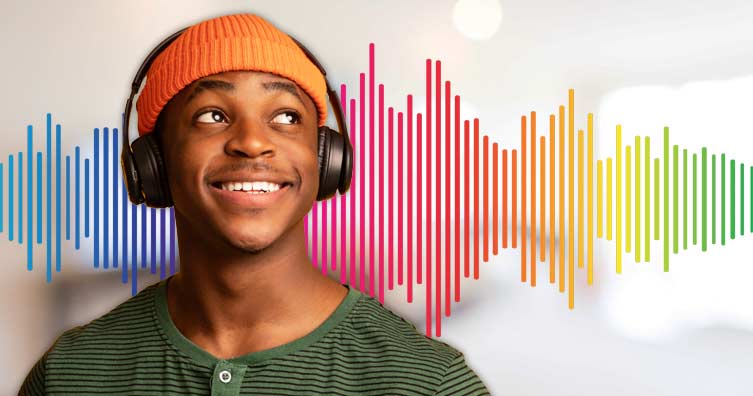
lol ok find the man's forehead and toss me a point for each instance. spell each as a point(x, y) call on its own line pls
point(228, 81)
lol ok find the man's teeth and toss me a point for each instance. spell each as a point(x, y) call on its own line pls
point(251, 187)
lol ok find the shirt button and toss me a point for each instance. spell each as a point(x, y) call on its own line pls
point(225, 376)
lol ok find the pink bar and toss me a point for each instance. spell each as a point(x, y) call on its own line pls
point(372, 165)
point(410, 198)
point(343, 268)
point(324, 237)
point(428, 198)
point(315, 228)
point(353, 196)
point(390, 199)
point(333, 226)
point(447, 173)
point(438, 213)
point(380, 221)
point(362, 183)
point(401, 261)
point(419, 199)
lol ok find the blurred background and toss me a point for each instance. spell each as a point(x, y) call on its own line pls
point(642, 64)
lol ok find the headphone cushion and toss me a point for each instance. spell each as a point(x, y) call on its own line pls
point(151, 169)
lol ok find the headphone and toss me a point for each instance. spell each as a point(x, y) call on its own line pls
point(144, 168)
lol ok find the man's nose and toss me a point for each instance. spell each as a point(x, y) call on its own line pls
point(250, 138)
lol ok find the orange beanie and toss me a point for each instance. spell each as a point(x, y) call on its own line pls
point(227, 43)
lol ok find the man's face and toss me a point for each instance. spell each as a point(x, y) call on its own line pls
point(232, 128)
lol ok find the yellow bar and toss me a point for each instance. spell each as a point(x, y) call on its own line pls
point(570, 268)
point(590, 200)
point(618, 196)
point(599, 198)
point(580, 198)
point(628, 198)
point(609, 199)
point(637, 199)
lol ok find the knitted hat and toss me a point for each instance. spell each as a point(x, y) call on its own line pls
point(227, 43)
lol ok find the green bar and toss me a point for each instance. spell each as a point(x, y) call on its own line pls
point(666, 199)
point(703, 199)
point(713, 199)
point(656, 199)
point(724, 203)
point(647, 193)
point(685, 199)
point(732, 199)
point(742, 199)
point(675, 205)
point(695, 199)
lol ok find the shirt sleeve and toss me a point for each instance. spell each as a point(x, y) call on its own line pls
point(461, 380)
point(33, 385)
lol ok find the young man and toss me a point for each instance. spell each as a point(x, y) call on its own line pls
point(236, 105)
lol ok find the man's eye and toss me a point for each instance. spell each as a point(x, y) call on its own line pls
point(210, 117)
point(287, 117)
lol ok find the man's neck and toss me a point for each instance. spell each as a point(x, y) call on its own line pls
point(231, 304)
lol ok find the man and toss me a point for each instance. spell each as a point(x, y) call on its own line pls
point(236, 104)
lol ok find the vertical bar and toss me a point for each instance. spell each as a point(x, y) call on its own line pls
point(742, 199)
point(637, 199)
point(115, 198)
point(580, 198)
point(39, 197)
point(647, 236)
point(21, 197)
point(457, 198)
point(10, 197)
point(666, 199)
point(485, 194)
point(29, 197)
point(86, 197)
point(724, 199)
point(2, 206)
point(67, 198)
point(523, 199)
point(77, 195)
point(173, 240)
point(703, 197)
point(96, 197)
point(609, 199)
point(628, 198)
point(590, 176)
point(713, 199)
point(504, 198)
point(49, 197)
point(106, 194)
point(143, 235)
point(732, 200)
point(542, 200)
point(124, 215)
point(476, 194)
point(495, 197)
point(599, 199)
point(675, 200)
point(551, 199)
point(57, 197)
point(571, 128)
point(533, 199)
point(618, 199)
point(162, 244)
point(695, 199)
point(514, 174)
point(684, 198)
point(561, 229)
point(153, 240)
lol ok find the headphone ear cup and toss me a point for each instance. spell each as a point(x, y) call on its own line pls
point(346, 170)
point(131, 177)
point(151, 171)
point(327, 181)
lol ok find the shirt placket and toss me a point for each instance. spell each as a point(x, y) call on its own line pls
point(227, 378)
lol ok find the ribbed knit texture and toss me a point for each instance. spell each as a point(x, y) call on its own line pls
point(227, 43)
point(363, 348)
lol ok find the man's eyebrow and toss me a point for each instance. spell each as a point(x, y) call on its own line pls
point(210, 84)
point(283, 86)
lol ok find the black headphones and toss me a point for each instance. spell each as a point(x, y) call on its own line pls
point(144, 169)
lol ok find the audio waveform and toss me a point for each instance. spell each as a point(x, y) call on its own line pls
point(421, 179)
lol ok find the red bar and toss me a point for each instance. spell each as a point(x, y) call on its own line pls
point(495, 197)
point(438, 230)
point(466, 244)
point(419, 202)
point(380, 221)
point(476, 241)
point(457, 198)
point(486, 198)
point(400, 261)
point(447, 161)
point(504, 199)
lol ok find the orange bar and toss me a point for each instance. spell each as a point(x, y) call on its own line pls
point(542, 203)
point(514, 199)
point(504, 199)
point(523, 188)
point(495, 214)
point(562, 200)
point(551, 199)
point(580, 198)
point(533, 198)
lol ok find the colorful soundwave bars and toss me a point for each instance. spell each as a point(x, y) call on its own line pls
point(419, 219)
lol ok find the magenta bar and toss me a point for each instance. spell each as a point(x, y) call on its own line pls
point(380, 223)
point(362, 184)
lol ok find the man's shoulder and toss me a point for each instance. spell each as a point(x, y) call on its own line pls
point(377, 326)
point(127, 323)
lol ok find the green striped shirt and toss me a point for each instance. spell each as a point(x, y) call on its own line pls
point(363, 348)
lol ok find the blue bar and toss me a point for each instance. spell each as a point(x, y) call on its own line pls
point(86, 198)
point(96, 197)
point(20, 197)
point(29, 198)
point(115, 198)
point(49, 197)
point(134, 271)
point(1, 197)
point(124, 214)
point(57, 197)
point(172, 240)
point(162, 236)
point(67, 197)
point(143, 235)
point(10, 197)
point(153, 239)
point(39, 197)
point(106, 206)
point(78, 198)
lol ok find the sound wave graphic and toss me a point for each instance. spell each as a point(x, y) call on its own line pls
point(423, 181)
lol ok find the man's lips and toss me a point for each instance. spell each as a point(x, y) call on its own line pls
point(246, 199)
